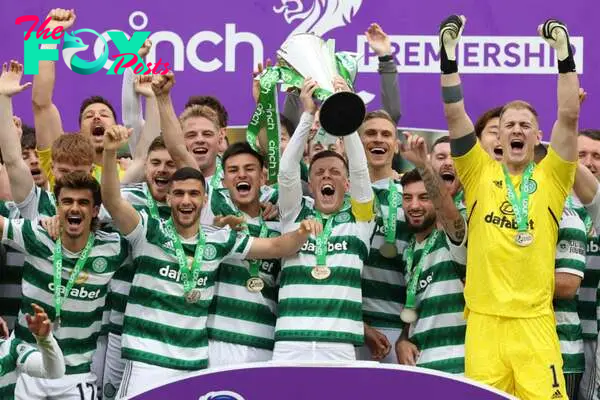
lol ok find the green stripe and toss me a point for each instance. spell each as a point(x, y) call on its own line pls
point(440, 337)
point(382, 320)
point(160, 361)
point(450, 365)
point(573, 363)
point(7, 392)
point(340, 275)
point(384, 291)
point(438, 305)
point(319, 336)
point(190, 338)
point(242, 310)
point(240, 338)
point(165, 302)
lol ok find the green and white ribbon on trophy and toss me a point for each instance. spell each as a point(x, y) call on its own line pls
point(301, 56)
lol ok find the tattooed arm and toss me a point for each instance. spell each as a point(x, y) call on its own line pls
point(415, 151)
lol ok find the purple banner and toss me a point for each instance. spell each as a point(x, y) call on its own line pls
point(358, 382)
point(213, 47)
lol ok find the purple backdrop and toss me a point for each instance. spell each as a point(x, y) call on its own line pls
point(502, 57)
point(362, 381)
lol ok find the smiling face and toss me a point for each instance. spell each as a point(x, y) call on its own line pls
point(519, 134)
point(186, 198)
point(418, 208)
point(243, 177)
point(95, 119)
point(589, 153)
point(76, 211)
point(328, 182)
point(378, 137)
point(443, 165)
point(202, 139)
point(159, 168)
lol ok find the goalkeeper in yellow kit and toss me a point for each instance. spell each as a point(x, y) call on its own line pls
point(513, 210)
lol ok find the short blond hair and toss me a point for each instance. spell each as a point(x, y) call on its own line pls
point(520, 105)
point(378, 114)
point(197, 111)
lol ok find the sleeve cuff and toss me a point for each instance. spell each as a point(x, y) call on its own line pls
point(570, 271)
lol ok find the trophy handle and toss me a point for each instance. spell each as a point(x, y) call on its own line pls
point(342, 113)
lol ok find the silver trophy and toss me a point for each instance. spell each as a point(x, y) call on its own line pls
point(341, 113)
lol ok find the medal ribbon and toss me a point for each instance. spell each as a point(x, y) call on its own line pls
point(519, 203)
point(57, 263)
point(151, 203)
point(390, 222)
point(322, 239)
point(459, 198)
point(189, 283)
point(587, 221)
point(411, 288)
point(255, 264)
point(216, 178)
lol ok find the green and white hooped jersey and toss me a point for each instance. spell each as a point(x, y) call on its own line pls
point(160, 327)
point(383, 285)
point(439, 332)
point(328, 310)
point(13, 354)
point(82, 312)
point(207, 217)
point(237, 315)
point(121, 283)
point(38, 203)
point(570, 259)
point(586, 297)
point(11, 274)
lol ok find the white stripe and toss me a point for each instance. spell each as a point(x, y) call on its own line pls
point(566, 318)
point(570, 271)
point(10, 291)
point(323, 324)
point(116, 317)
point(71, 304)
point(170, 319)
point(8, 378)
point(347, 260)
point(571, 347)
point(383, 275)
point(438, 321)
point(75, 360)
point(441, 288)
point(170, 287)
point(120, 287)
point(587, 294)
point(15, 258)
point(62, 333)
point(44, 266)
point(165, 350)
point(440, 353)
point(589, 326)
point(240, 293)
point(243, 327)
point(593, 262)
point(382, 306)
point(325, 292)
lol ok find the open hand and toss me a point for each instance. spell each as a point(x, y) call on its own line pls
point(10, 79)
point(414, 150)
point(378, 40)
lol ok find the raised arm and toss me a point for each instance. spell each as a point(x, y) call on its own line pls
point(130, 101)
point(19, 176)
point(124, 216)
point(388, 72)
point(169, 123)
point(564, 133)
point(46, 117)
point(285, 245)
point(150, 130)
point(290, 185)
point(49, 362)
point(415, 151)
point(461, 129)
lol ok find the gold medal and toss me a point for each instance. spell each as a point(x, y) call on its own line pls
point(523, 239)
point(388, 250)
point(320, 272)
point(255, 285)
point(193, 296)
point(408, 315)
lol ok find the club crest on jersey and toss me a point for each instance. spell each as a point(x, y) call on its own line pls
point(99, 265)
point(210, 252)
point(342, 218)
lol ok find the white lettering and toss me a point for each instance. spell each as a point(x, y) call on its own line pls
point(78, 293)
point(192, 51)
point(234, 38)
point(175, 275)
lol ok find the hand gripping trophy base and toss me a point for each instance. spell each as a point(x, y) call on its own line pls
point(342, 113)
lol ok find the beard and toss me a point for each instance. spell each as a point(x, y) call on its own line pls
point(426, 224)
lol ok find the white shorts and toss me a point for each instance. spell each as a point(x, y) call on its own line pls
point(140, 377)
point(364, 354)
point(98, 358)
point(69, 387)
point(313, 351)
point(223, 354)
point(113, 367)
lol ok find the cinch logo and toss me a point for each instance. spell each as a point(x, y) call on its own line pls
point(78, 293)
point(504, 222)
point(310, 247)
point(222, 395)
point(175, 275)
point(128, 50)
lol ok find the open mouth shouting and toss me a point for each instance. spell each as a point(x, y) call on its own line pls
point(517, 145)
point(378, 151)
point(161, 182)
point(448, 176)
point(98, 130)
point(74, 223)
point(36, 173)
point(498, 153)
point(328, 192)
point(243, 188)
point(200, 151)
